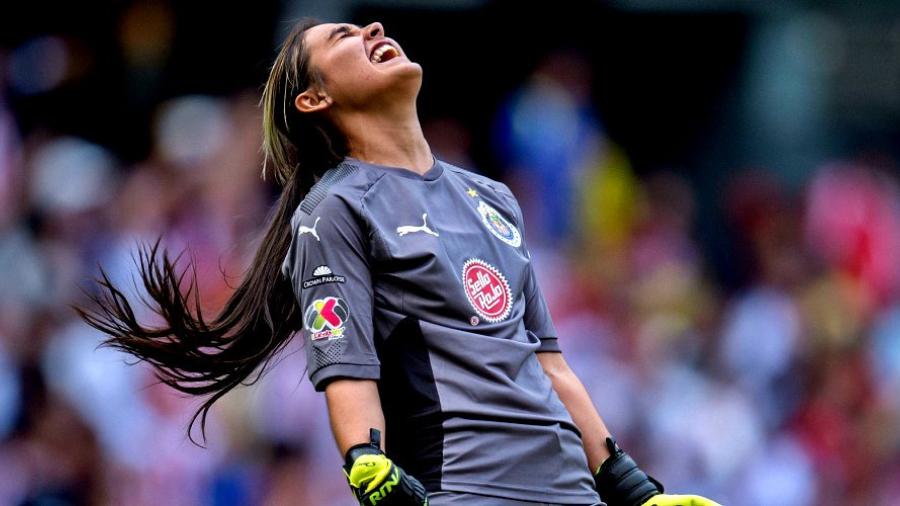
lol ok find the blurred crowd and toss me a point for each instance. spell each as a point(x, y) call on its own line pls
point(780, 390)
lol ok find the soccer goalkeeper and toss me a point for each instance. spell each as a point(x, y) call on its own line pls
point(413, 288)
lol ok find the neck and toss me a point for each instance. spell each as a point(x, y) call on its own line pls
point(392, 138)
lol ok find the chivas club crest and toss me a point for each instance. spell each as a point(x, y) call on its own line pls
point(498, 225)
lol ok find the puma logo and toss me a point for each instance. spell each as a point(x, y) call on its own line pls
point(408, 229)
point(307, 230)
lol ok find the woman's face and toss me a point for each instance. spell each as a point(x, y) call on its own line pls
point(360, 66)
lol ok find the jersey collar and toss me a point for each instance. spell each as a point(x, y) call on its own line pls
point(431, 174)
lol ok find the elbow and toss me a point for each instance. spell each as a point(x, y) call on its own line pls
point(555, 366)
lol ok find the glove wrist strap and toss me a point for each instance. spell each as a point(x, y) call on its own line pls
point(620, 482)
point(373, 447)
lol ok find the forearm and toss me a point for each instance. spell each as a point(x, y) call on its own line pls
point(578, 402)
point(353, 408)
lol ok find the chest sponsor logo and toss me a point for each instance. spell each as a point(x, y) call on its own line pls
point(408, 229)
point(499, 226)
point(322, 275)
point(325, 318)
point(310, 230)
point(487, 290)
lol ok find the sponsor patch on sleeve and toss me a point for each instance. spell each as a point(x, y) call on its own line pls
point(322, 275)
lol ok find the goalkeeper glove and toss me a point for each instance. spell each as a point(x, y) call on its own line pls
point(620, 482)
point(679, 500)
point(376, 481)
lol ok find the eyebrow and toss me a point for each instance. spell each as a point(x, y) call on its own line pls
point(340, 29)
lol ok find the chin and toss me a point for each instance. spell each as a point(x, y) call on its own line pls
point(403, 75)
point(403, 65)
point(399, 81)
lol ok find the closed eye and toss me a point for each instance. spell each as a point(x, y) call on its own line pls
point(340, 33)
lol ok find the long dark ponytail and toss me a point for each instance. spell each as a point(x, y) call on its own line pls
point(209, 358)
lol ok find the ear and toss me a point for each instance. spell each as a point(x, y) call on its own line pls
point(312, 100)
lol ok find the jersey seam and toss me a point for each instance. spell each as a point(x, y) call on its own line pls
point(531, 297)
point(379, 240)
point(367, 216)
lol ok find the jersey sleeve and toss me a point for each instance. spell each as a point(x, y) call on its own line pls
point(328, 265)
point(537, 317)
point(537, 314)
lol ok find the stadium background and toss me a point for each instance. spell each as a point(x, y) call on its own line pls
point(710, 190)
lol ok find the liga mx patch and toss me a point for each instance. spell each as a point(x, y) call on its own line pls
point(325, 318)
point(499, 226)
point(487, 290)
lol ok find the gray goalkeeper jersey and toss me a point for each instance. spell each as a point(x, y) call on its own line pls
point(424, 283)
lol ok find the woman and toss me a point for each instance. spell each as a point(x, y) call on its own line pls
point(410, 283)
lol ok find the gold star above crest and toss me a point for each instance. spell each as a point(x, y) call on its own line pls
point(472, 192)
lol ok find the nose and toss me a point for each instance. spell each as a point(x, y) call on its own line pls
point(374, 30)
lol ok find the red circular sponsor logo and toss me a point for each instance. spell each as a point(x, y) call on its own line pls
point(487, 290)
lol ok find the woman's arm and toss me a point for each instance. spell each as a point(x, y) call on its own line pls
point(577, 401)
point(621, 482)
point(353, 408)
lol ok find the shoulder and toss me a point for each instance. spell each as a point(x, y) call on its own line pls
point(480, 181)
point(337, 194)
point(487, 186)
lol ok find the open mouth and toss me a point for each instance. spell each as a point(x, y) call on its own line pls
point(384, 52)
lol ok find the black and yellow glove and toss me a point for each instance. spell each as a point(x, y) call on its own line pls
point(376, 481)
point(620, 482)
